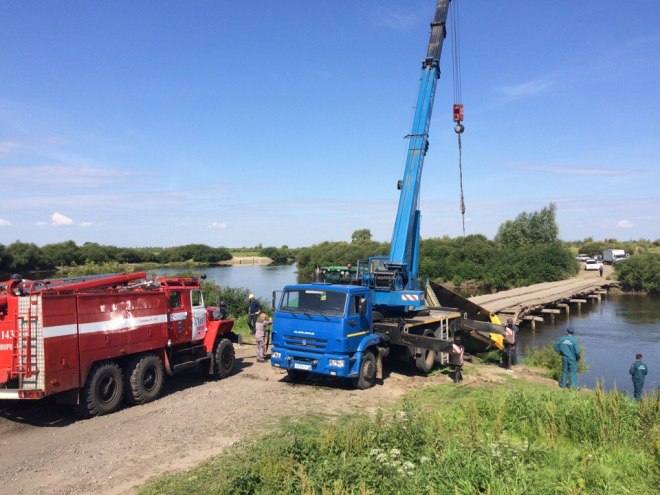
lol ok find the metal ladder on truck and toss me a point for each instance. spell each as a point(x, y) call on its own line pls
point(28, 352)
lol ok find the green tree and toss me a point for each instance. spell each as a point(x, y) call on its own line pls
point(65, 253)
point(640, 273)
point(539, 227)
point(361, 235)
point(25, 256)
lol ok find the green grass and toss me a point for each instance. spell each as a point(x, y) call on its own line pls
point(244, 254)
point(546, 357)
point(450, 440)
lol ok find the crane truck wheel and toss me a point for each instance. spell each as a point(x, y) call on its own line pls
point(224, 359)
point(103, 391)
point(145, 378)
point(425, 357)
point(367, 376)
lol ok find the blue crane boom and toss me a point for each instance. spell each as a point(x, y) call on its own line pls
point(394, 278)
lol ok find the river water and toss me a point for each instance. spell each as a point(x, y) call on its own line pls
point(611, 332)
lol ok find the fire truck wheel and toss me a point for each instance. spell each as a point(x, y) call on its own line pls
point(224, 359)
point(367, 376)
point(103, 390)
point(426, 357)
point(145, 378)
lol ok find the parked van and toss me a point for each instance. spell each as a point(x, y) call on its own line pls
point(613, 255)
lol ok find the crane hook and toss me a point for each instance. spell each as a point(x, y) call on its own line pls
point(459, 128)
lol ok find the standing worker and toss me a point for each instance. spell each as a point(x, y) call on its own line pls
point(638, 370)
point(510, 341)
point(254, 308)
point(600, 269)
point(569, 349)
point(260, 334)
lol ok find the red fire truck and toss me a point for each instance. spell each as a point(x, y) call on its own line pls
point(97, 341)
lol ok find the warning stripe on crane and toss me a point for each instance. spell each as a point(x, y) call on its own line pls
point(410, 297)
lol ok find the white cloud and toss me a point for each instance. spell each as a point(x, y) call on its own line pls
point(217, 225)
point(392, 19)
point(7, 147)
point(58, 176)
point(625, 224)
point(579, 170)
point(60, 220)
point(86, 224)
point(4, 223)
point(526, 89)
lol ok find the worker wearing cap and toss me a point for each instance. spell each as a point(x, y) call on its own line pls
point(569, 349)
point(510, 343)
point(638, 371)
point(260, 335)
point(254, 308)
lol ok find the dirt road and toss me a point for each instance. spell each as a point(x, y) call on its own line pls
point(45, 449)
point(515, 301)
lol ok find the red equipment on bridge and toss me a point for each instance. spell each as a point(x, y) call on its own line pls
point(95, 341)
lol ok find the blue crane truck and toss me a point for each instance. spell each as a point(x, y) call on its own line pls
point(346, 330)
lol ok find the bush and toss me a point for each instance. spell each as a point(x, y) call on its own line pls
point(546, 357)
point(639, 273)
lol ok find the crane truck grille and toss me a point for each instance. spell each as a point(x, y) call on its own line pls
point(310, 344)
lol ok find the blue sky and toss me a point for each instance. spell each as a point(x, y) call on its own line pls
point(236, 123)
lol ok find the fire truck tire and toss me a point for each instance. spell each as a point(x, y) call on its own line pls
point(426, 358)
point(103, 391)
point(224, 359)
point(145, 378)
point(367, 376)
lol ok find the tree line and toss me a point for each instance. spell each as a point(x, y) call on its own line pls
point(525, 251)
point(22, 256)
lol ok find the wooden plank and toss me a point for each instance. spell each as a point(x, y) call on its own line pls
point(578, 301)
point(533, 318)
point(551, 311)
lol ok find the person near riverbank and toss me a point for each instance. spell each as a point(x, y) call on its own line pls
point(510, 347)
point(254, 308)
point(569, 350)
point(260, 334)
point(638, 371)
point(600, 270)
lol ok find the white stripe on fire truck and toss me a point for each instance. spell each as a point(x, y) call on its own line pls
point(104, 326)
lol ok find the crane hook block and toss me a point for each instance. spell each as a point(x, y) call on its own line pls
point(459, 128)
point(458, 113)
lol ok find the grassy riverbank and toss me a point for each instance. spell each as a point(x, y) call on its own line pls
point(507, 438)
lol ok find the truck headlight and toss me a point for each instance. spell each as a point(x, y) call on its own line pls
point(337, 363)
point(276, 355)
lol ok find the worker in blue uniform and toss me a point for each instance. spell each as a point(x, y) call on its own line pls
point(569, 349)
point(638, 371)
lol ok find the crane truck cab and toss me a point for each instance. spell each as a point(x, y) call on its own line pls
point(325, 329)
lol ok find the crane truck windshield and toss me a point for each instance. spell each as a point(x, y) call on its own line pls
point(313, 302)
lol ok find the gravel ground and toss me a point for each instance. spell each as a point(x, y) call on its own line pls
point(45, 449)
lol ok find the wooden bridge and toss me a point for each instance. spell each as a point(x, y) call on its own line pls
point(535, 302)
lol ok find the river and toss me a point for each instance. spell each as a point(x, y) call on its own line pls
point(611, 333)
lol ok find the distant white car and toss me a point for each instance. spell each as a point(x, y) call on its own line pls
point(591, 264)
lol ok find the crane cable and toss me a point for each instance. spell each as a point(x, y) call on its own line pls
point(458, 106)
